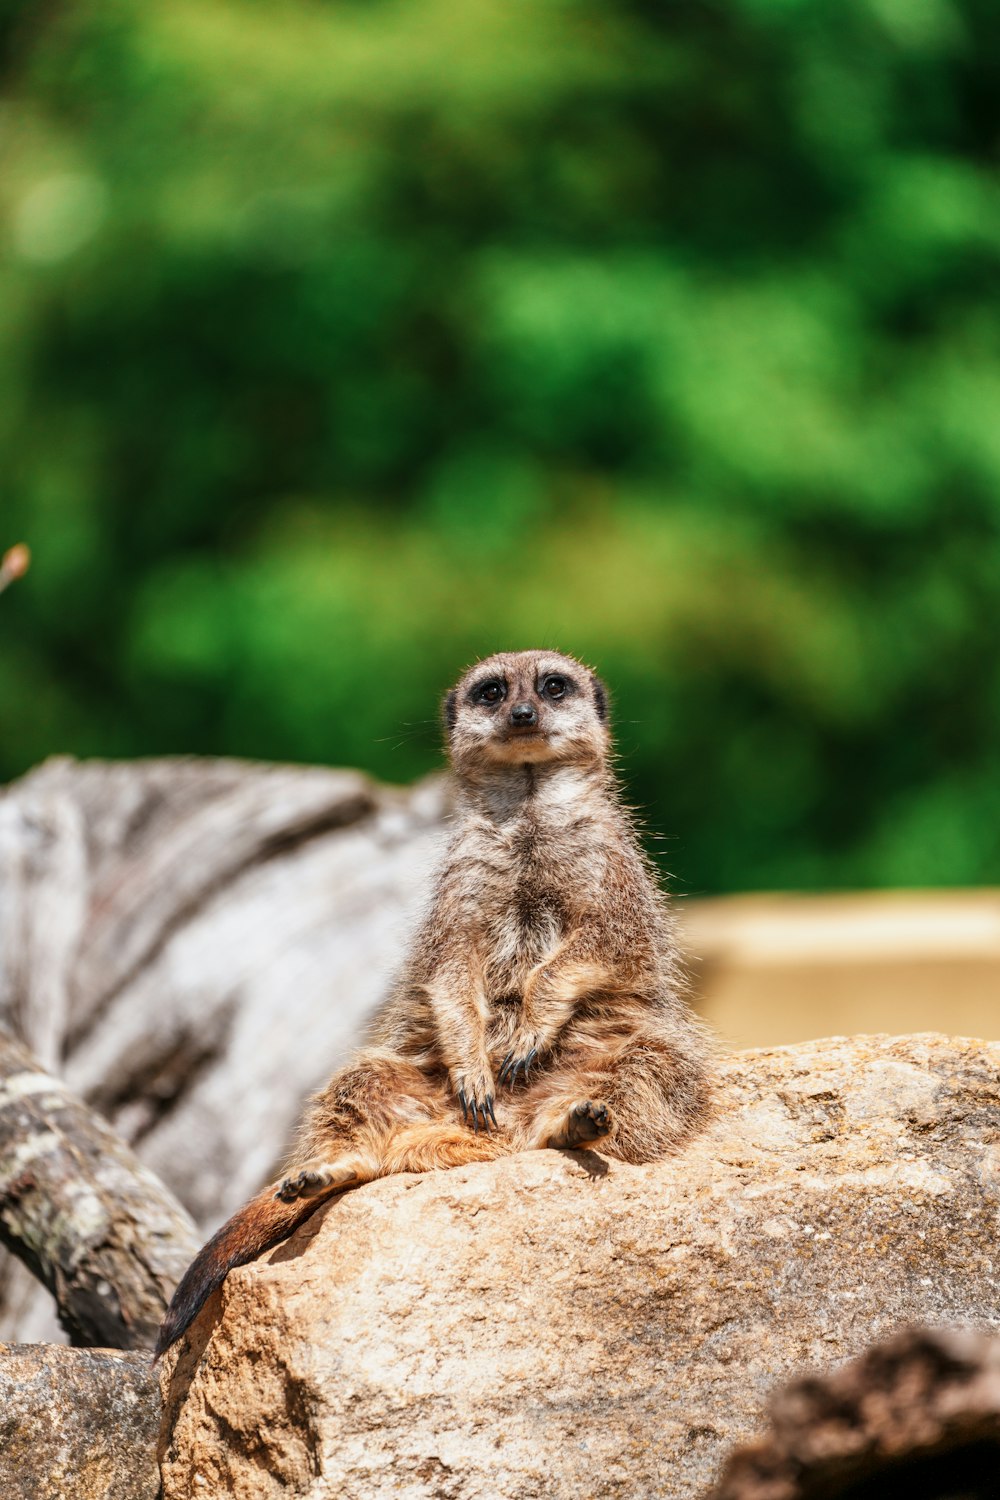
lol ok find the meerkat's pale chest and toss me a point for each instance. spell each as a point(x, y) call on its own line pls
point(526, 907)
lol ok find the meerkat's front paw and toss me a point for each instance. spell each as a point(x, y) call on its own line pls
point(586, 1123)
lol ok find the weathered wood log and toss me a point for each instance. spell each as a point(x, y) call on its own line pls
point(193, 946)
point(917, 1416)
point(77, 1207)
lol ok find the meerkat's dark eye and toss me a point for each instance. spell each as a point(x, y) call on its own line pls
point(490, 692)
point(555, 686)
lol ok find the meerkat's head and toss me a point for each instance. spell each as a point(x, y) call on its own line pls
point(526, 707)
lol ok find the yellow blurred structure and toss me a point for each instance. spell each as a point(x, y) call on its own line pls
point(778, 968)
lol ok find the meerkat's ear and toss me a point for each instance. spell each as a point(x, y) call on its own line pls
point(449, 710)
point(600, 697)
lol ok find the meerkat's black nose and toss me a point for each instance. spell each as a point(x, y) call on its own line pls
point(523, 714)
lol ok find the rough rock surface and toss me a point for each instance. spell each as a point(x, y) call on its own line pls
point(77, 1424)
point(554, 1325)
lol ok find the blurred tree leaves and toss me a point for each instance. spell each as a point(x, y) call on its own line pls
point(346, 340)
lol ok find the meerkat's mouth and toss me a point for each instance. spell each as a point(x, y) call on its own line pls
point(522, 747)
point(516, 735)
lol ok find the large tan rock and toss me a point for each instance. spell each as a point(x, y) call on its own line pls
point(77, 1424)
point(556, 1325)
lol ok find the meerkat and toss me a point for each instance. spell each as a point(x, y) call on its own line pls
point(542, 1002)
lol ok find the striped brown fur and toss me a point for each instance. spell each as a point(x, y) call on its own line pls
point(542, 1001)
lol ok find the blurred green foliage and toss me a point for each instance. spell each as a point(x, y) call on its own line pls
point(344, 341)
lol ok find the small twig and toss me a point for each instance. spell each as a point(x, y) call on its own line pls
point(14, 564)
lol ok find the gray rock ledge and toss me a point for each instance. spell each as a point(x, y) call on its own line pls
point(77, 1424)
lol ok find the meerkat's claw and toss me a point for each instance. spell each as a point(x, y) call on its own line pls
point(481, 1113)
point(511, 1064)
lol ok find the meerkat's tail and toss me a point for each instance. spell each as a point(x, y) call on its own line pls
point(261, 1223)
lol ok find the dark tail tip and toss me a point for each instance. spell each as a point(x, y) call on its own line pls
point(203, 1275)
point(263, 1222)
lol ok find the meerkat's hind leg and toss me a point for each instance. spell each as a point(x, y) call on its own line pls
point(319, 1178)
point(440, 1143)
